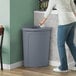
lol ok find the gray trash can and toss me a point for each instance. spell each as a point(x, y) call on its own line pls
point(36, 46)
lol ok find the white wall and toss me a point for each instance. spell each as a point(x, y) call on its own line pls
point(5, 21)
point(4, 12)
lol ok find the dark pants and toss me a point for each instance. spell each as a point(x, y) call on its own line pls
point(66, 34)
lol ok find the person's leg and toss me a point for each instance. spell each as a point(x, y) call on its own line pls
point(63, 32)
point(70, 42)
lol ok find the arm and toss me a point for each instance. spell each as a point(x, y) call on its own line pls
point(73, 7)
point(51, 4)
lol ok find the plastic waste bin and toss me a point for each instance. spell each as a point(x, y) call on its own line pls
point(36, 46)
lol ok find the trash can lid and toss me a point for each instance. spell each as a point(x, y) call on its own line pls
point(36, 28)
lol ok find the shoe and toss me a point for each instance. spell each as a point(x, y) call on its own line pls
point(73, 68)
point(59, 70)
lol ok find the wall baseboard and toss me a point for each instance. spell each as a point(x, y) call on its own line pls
point(56, 63)
point(17, 64)
point(6, 66)
point(12, 66)
point(20, 63)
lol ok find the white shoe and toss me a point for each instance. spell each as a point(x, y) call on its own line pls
point(73, 68)
point(58, 70)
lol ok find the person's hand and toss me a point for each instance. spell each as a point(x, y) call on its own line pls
point(42, 21)
point(1, 26)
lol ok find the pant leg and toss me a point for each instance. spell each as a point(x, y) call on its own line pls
point(63, 32)
point(70, 41)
